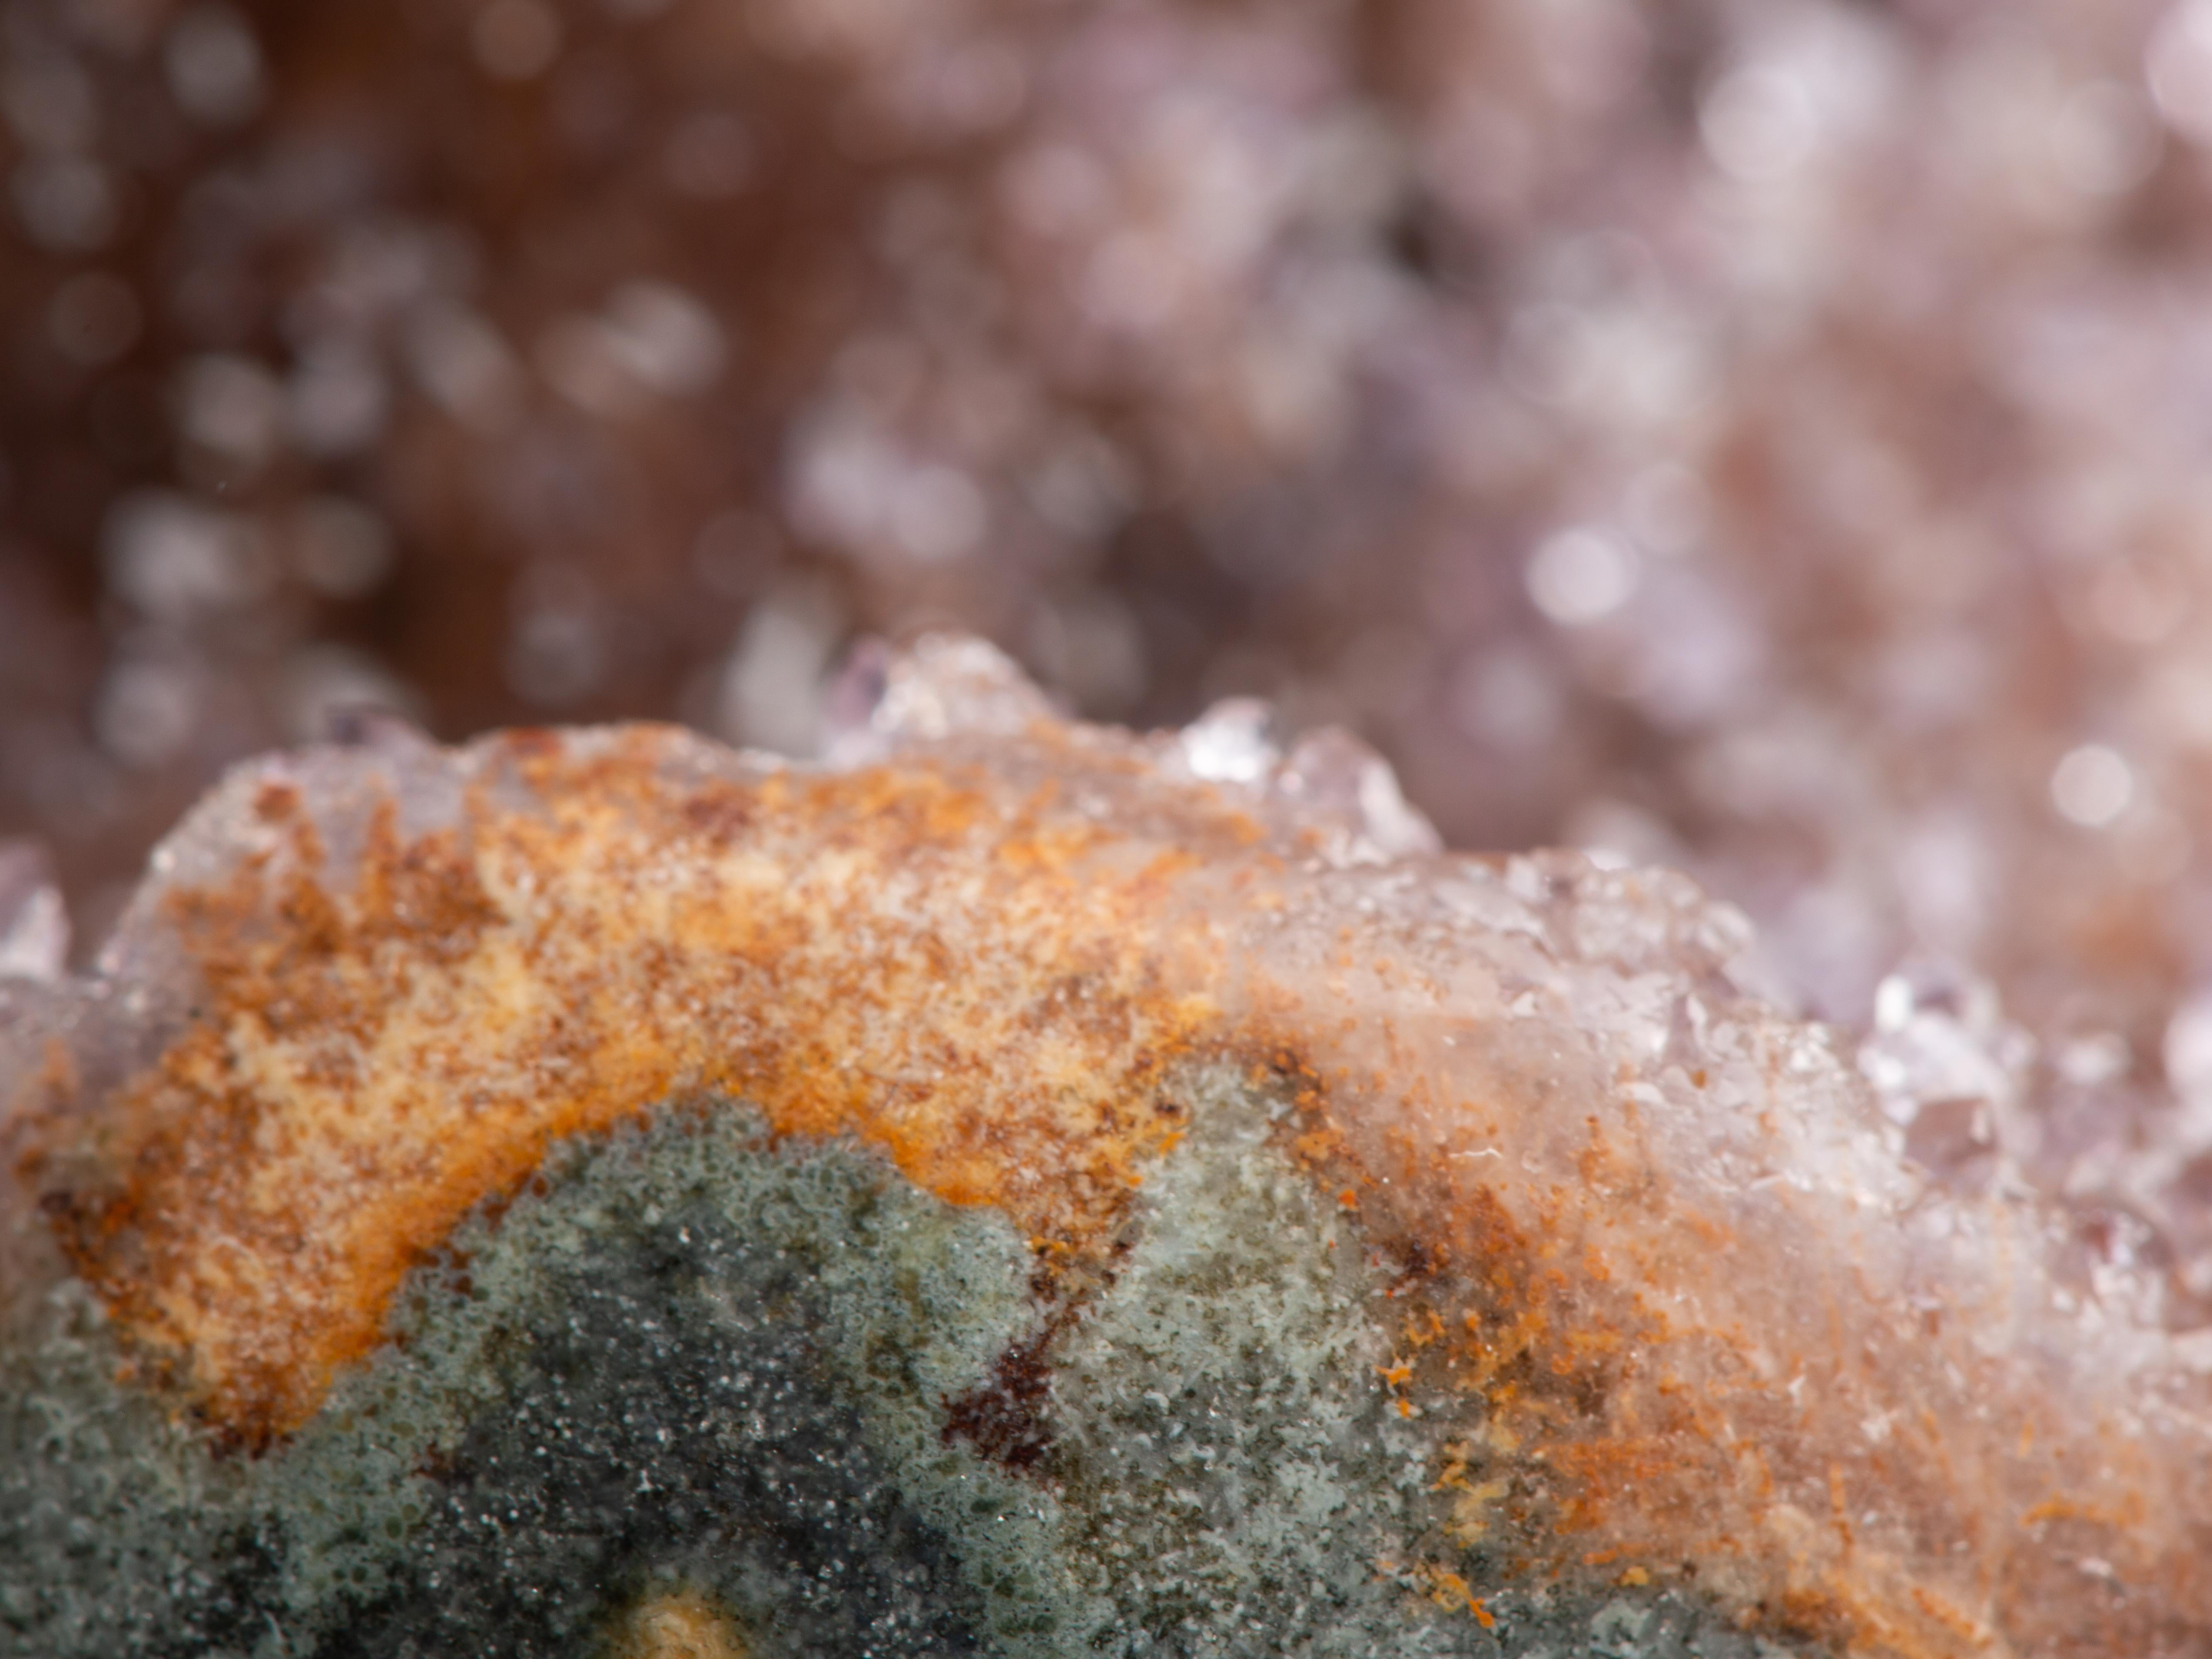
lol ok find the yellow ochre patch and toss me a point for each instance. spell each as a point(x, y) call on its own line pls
point(678, 1624)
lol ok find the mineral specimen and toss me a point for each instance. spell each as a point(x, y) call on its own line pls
point(1019, 1188)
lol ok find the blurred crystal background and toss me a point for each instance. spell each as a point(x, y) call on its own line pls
point(1771, 439)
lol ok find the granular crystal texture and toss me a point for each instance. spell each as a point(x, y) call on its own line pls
point(1019, 1189)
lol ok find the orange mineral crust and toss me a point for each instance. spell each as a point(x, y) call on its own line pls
point(1663, 1302)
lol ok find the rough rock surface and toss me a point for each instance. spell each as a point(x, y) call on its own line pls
point(1019, 1189)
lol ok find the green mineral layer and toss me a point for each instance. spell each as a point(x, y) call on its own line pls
point(699, 1366)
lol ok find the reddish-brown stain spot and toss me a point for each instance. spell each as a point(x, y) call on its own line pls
point(1007, 1417)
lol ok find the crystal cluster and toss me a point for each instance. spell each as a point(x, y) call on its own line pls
point(1764, 439)
point(1019, 1187)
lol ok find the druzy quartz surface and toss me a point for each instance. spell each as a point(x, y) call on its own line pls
point(1015, 1189)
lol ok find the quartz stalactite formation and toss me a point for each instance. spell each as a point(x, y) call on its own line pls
point(1024, 1188)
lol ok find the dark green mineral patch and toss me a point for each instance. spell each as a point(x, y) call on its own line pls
point(778, 1381)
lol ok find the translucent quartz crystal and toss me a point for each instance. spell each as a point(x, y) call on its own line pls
point(34, 929)
point(1020, 1187)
